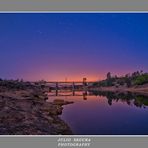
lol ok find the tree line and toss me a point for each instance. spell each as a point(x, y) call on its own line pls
point(128, 80)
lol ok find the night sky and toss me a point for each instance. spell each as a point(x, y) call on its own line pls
point(49, 46)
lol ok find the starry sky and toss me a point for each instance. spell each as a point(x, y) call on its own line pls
point(59, 46)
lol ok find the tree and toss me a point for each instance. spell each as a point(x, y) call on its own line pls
point(142, 79)
point(108, 75)
point(141, 72)
point(128, 82)
point(116, 77)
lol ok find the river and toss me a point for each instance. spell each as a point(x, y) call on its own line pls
point(104, 113)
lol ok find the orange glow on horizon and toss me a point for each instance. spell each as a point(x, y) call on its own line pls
point(76, 78)
point(69, 76)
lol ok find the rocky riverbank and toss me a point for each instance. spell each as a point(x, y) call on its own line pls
point(24, 111)
point(143, 89)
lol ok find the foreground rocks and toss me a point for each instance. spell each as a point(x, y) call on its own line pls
point(26, 112)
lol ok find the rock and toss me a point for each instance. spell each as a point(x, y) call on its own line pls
point(24, 111)
point(62, 102)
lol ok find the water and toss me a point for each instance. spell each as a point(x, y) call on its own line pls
point(97, 113)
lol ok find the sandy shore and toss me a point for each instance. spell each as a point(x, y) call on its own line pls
point(24, 111)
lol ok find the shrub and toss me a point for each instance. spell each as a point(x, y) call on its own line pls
point(142, 79)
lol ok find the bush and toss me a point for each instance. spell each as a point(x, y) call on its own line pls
point(142, 79)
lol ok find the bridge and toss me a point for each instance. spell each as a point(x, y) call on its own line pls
point(69, 85)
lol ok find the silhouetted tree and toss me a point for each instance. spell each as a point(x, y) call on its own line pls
point(108, 75)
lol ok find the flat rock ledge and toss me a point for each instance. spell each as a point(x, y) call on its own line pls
point(26, 112)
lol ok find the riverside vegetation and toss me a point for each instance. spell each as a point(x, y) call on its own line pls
point(135, 82)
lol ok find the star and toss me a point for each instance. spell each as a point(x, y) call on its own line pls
point(39, 32)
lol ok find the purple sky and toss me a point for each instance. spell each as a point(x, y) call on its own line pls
point(58, 46)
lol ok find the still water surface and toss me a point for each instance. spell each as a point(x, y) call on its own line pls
point(97, 113)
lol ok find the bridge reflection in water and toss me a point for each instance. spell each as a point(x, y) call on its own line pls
point(65, 93)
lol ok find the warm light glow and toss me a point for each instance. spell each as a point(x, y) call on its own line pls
point(72, 78)
point(55, 47)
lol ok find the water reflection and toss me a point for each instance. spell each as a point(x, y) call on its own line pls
point(126, 97)
point(104, 113)
point(69, 93)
